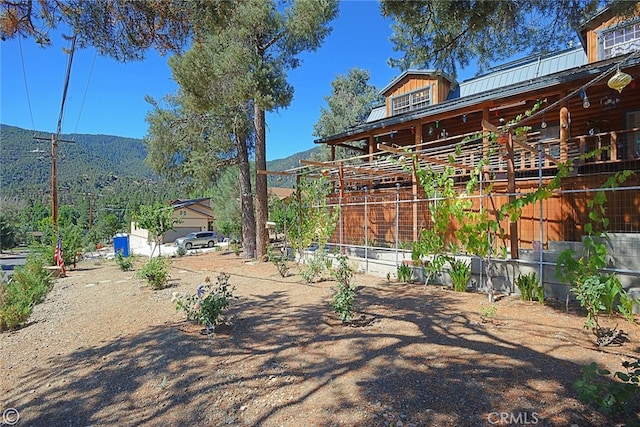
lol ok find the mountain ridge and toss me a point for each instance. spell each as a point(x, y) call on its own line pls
point(96, 159)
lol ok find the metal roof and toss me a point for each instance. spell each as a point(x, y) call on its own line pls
point(520, 71)
point(505, 75)
point(500, 92)
point(377, 113)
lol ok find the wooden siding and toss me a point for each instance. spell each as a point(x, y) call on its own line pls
point(564, 215)
point(591, 36)
point(439, 90)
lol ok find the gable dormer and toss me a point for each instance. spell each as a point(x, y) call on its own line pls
point(416, 89)
point(607, 35)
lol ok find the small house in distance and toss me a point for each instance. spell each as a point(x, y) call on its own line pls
point(193, 215)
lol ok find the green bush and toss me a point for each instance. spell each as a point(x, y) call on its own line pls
point(530, 287)
point(344, 298)
point(279, 260)
point(460, 273)
point(315, 267)
point(124, 263)
point(404, 273)
point(182, 251)
point(28, 286)
point(611, 396)
point(155, 272)
point(208, 304)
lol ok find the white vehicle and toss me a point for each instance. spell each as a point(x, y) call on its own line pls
point(198, 238)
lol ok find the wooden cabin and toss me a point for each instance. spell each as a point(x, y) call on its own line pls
point(429, 114)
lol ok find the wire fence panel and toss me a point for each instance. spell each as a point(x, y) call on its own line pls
point(392, 220)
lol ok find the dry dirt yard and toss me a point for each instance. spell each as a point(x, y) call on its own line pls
point(105, 350)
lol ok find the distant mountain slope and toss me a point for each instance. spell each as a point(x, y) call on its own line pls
point(89, 164)
point(293, 161)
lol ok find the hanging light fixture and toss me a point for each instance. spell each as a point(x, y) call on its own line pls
point(543, 125)
point(585, 99)
point(619, 81)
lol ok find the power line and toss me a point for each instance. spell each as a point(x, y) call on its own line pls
point(84, 97)
point(26, 86)
point(66, 84)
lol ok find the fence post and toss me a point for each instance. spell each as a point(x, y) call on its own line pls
point(366, 231)
point(397, 224)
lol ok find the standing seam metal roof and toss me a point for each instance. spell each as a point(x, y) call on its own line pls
point(516, 72)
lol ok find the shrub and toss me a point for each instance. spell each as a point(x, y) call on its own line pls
point(488, 311)
point(344, 298)
point(208, 304)
point(315, 267)
point(182, 251)
point(610, 396)
point(404, 273)
point(279, 260)
point(155, 272)
point(460, 273)
point(124, 263)
point(27, 287)
point(530, 287)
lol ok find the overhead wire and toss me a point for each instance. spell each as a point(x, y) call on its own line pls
point(84, 97)
point(26, 86)
point(66, 84)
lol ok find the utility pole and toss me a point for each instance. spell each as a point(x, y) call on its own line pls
point(55, 138)
point(54, 175)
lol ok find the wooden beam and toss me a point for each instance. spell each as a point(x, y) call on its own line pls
point(435, 160)
point(280, 173)
point(363, 169)
point(511, 188)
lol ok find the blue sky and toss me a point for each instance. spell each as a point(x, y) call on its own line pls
point(107, 97)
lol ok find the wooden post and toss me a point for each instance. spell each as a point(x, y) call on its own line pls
point(54, 183)
point(340, 196)
point(564, 134)
point(414, 186)
point(54, 175)
point(414, 191)
point(613, 146)
point(511, 188)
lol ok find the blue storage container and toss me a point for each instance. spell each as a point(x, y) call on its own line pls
point(121, 244)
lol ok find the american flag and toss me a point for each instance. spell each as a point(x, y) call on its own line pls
point(58, 256)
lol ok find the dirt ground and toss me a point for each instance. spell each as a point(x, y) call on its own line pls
point(104, 350)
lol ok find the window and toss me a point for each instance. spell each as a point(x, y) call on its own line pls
point(620, 40)
point(411, 101)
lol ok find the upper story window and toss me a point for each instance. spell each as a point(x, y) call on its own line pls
point(620, 40)
point(411, 101)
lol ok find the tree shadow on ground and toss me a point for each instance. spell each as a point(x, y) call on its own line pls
point(422, 362)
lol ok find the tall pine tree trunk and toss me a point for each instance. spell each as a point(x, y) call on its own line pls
point(262, 204)
point(246, 200)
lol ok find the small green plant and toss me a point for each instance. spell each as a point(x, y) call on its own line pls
point(155, 272)
point(236, 248)
point(609, 396)
point(596, 291)
point(315, 267)
point(488, 311)
point(530, 287)
point(182, 251)
point(404, 273)
point(28, 286)
point(124, 263)
point(208, 304)
point(279, 260)
point(344, 298)
point(460, 273)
